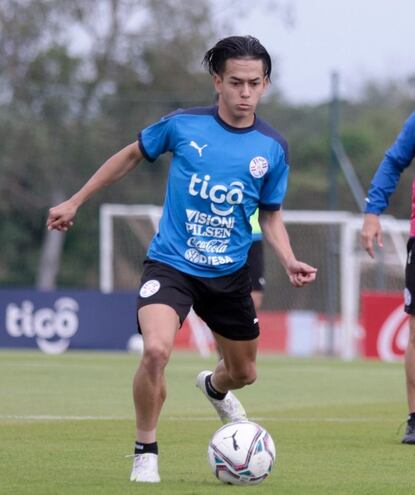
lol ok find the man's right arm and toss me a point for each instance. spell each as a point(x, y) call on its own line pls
point(397, 158)
point(272, 225)
point(61, 216)
point(384, 183)
point(371, 232)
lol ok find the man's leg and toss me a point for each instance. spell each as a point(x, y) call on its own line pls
point(159, 324)
point(409, 297)
point(236, 369)
point(410, 365)
point(409, 436)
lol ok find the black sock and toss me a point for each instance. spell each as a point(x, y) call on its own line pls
point(146, 448)
point(212, 392)
point(411, 418)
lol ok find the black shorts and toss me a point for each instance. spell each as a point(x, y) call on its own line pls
point(255, 264)
point(409, 292)
point(223, 303)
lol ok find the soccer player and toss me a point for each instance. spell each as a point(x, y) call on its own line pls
point(226, 162)
point(397, 158)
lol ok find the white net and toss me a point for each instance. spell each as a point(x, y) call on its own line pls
point(331, 242)
point(328, 240)
point(125, 231)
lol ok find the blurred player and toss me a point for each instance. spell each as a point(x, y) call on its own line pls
point(226, 163)
point(256, 266)
point(255, 262)
point(384, 183)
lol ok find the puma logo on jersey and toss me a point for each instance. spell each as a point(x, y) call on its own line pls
point(199, 149)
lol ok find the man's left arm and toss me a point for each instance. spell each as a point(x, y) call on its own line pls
point(276, 234)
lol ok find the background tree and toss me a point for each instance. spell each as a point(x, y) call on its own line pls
point(78, 79)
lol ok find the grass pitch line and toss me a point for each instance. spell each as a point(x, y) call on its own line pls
point(260, 419)
point(50, 417)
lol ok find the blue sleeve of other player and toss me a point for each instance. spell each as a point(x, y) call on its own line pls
point(157, 139)
point(275, 187)
point(396, 159)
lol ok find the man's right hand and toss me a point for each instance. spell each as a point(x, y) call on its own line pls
point(61, 216)
point(371, 232)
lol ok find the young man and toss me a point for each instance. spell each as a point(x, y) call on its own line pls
point(226, 162)
point(384, 183)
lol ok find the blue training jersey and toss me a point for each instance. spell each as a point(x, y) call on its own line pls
point(397, 158)
point(218, 176)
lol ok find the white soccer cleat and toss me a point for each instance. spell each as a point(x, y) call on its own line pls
point(145, 468)
point(229, 409)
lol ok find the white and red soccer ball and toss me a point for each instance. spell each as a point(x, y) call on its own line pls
point(241, 453)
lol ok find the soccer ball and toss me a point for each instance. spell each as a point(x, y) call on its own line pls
point(135, 344)
point(241, 453)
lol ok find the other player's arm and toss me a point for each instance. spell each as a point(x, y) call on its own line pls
point(371, 232)
point(276, 234)
point(61, 216)
point(397, 158)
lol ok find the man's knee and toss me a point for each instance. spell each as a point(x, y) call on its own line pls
point(155, 356)
point(244, 375)
point(158, 324)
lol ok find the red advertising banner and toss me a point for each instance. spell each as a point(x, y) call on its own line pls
point(273, 336)
point(385, 325)
point(293, 333)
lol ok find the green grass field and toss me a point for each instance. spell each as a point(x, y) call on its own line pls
point(66, 425)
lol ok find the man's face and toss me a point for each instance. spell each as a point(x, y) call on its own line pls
point(239, 88)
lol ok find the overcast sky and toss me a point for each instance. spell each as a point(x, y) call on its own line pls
point(361, 39)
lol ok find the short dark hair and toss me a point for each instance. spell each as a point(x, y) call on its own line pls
point(236, 47)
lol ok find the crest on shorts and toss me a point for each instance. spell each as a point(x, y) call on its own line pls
point(258, 167)
point(150, 288)
point(407, 297)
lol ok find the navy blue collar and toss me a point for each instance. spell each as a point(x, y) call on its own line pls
point(231, 128)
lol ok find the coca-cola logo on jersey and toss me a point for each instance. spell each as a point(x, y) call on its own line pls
point(393, 335)
point(52, 327)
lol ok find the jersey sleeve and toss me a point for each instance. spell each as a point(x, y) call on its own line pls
point(157, 139)
point(275, 185)
point(396, 159)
